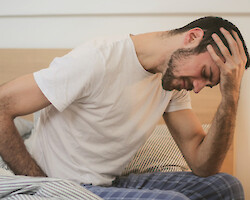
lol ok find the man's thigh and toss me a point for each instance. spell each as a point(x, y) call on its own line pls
point(220, 186)
point(114, 193)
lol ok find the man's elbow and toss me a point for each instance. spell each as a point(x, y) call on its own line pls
point(6, 109)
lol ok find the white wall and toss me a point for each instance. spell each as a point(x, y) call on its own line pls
point(242, 136)
point(67, 23)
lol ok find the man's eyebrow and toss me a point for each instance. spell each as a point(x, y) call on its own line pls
point(211, 75)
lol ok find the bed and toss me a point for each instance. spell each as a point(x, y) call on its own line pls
point(151, 157)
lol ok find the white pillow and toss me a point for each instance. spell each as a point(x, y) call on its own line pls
point(159, 153)
point(23, 126)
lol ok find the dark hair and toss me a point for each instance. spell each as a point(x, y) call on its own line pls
point(210, 25)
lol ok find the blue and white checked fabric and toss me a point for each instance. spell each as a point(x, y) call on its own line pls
point(171, 186)
point(114, 193)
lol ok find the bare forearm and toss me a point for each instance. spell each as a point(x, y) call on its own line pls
point(213, 148)
point(14, 152)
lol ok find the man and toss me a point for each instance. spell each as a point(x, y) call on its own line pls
point(101, 101)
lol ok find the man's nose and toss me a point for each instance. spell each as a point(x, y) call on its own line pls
point(198, 85)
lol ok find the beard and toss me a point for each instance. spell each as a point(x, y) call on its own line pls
point(175, 60)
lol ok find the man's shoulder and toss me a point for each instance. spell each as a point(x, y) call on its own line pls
point(107, 41)
point(100, 45)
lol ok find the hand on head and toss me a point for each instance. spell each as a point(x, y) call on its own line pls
point(232, 65)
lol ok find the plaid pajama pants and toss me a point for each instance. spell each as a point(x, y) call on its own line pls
point(171, 186)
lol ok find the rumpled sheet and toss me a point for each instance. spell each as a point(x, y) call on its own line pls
point(38, 188)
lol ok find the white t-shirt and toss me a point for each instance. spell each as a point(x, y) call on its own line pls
point(104, 107)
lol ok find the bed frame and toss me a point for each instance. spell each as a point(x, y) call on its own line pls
point(17, 62)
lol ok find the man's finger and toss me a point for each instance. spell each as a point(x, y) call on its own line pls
point(232, 43)
point(223, 49)
point(240, 46)
point(218, 61)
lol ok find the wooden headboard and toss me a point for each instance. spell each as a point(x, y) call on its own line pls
point(17, 62)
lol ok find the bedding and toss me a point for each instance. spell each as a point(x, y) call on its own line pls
point(23, 126)
point(34, 188)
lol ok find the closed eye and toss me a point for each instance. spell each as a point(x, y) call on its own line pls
point(203, 73)
point(211, 75)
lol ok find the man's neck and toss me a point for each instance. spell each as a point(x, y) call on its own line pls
point(154, 50)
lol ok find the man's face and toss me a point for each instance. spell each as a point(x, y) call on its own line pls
point(190, 71)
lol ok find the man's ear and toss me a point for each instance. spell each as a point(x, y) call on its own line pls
point(193, 37)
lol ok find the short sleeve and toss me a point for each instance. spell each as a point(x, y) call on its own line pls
point(76, 75)
point(180, 100)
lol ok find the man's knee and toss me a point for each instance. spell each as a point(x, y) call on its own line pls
point(220, 186)
point(228, 186)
